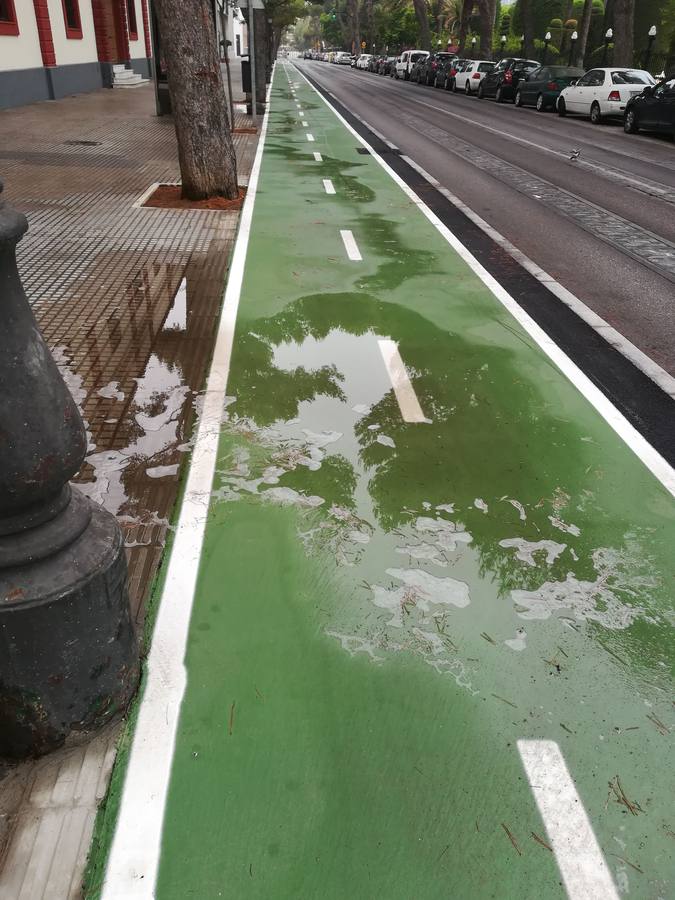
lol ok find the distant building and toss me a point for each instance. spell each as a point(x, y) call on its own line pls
point(231, 26)
point(53, 48)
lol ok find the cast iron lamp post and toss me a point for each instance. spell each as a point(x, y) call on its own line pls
point(522, 45)
point(609, 34)
point(473, 47)
point(503, 43)
point(547, 38)
point(651, 37)
point(68, 653)
point(574, 37)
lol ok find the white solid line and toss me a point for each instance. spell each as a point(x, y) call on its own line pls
point(580, 860)
point(639, 359)
point(650, 457)
point(318, 157)
point(328, 186)
point(310, 137)
point(350, 246)
point(408, 403)
point(134, 855)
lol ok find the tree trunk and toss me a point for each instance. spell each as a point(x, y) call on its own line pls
point(208, 164)
point(488, 11)
point(354, 25)
point(467, 9)
point(368, 34)
point(422, 14)
point(584, 28)
point(260, 39)
point(527, 14)
point(624, 15)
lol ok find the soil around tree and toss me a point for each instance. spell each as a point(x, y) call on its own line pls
point(168, 196)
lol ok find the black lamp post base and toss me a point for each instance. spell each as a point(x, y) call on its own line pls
point(68, 650)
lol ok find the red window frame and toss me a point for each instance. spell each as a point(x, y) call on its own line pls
point(10, 25)
point(72, 32)
point(131, 20)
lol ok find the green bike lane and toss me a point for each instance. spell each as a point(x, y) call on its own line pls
point(429, 651)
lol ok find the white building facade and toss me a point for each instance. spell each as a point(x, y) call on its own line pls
point(53, 48)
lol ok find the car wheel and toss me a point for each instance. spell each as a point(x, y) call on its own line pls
point(596, 115)
point(561, 107)
point(630, 123)
point(519, 99)
point(481, 93)
point(467, 88)
point(498, 96)
point(541, 105)
point(446, 86)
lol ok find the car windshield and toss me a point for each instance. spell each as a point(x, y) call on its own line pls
point(486, 67)
point(415, 56)
point(565, 72)
point(632, 76)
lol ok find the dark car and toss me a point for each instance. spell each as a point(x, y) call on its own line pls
point(501, 82)
point(386, 65)
point(653, 109)
point(445, 75)
point(425, 69)
point(541, 88)
point(373, 63)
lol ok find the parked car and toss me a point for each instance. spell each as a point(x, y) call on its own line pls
point(386, 66)
point(471, 74)
point(603, 93)
point(501, 82)
point(373, 63)
point(342, 58)
point(406, 61)
point(445, 73)
point(542, 87)
point(652, 110)
point(427, 67)
point(363, 60)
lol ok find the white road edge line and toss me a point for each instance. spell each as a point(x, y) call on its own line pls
point(328, 186)
point(580, 859)
point(650, 457)
point(351, 246)
point(133, 861)
point(411, 411)
point(318, 157)
point(640, 360)
point(310, 137)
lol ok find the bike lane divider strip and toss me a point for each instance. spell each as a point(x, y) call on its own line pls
point(367, 624)
point(409, 405)
point(328, 186)
point(351, 247)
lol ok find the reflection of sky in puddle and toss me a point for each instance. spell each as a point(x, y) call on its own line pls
point(176, 319)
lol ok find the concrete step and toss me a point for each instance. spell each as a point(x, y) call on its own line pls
point(131, 84)
point(119, 67)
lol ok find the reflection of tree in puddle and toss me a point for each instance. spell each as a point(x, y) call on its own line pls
point(514, 472)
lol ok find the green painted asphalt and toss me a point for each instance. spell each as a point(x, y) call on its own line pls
point(374, 628)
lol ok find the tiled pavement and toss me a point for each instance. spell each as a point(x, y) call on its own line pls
point(127, 299)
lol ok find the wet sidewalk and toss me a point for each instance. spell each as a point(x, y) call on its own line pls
point(128, 300)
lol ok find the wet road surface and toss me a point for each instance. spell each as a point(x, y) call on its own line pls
point(510, 166)
point(429, 652)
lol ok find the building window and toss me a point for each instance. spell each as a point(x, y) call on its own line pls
point(71, 15)
point(8, 23)
point(131, 19)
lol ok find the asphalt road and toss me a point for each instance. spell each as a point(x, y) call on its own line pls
point(512, 167)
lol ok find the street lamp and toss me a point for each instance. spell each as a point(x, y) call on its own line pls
point(473, 47)
point(503, 41)
point(609, 34)
point(574, 37)
point(651, 37)
point(522, 45)
point(547, 38)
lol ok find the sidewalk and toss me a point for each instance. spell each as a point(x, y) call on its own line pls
point(128, 300)
point(413, 639)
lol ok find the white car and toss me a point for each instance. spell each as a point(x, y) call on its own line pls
point(363, 60)
point(406, 61)
point(342, 58)
point(471, 74)
point(603, 92)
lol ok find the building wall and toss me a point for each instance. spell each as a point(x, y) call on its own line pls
point(21, 51)
point(72, 50)
point(137, 47)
